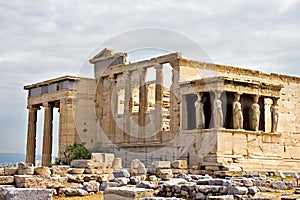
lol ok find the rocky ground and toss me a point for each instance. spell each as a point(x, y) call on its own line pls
point(94, 179)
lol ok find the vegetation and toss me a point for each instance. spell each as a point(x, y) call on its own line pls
point(73, 152)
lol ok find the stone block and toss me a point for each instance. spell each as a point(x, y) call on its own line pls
point(117, 164)
point(82, 164)
point(126, 193)
point(106, 158)
point(237, 190)
point(25, 168)
point(137, 168)
point(76, 170)
point(6, 180)
point(76, 178)
point(164, 174)
point(2, 171)
point(161, 164)
point(61, 170)
point(121, 181)
point(224, 197)
point(122, 173)
point(179, 164)
point(106, 185)
point(91, 186)
point(10, 171)
point(29, 181)
point(25, 193)
point(42, 171)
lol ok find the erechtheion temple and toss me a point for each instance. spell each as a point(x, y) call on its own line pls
point(170, 107)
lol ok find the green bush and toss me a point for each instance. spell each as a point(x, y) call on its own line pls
point(73, 152)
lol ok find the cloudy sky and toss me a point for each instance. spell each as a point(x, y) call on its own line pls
point(45, 39)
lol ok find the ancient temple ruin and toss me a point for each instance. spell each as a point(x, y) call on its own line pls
point(211, 115)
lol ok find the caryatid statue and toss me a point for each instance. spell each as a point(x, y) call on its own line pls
point(217, 111)
point(274, 115)
point(255, 113)
point(200, 119)
point(237, 112)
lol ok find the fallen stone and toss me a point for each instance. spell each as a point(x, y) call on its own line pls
point(77, 178)
point(279, 185)
point(126, 193)
point(42, 171)
point(237, 190)
point(91, 186)
point(164, 174)
point(29, 181)
point(6, 186)
point(137, 168)
point(122, 181)
point(147, 185)
point(117, 164)
point(106, 158)
point(253, 190)
point(248, 182)
point(153, 178)
point(82, 164)
point(60, 169)
point(175, 181)
point(10, 171)
point(76, 170)
point(179, 164)
point(200, 196)
point(122, 173)
point(91, 177)
point(225, 197)
point(25, 193)
point(161, 164)
point(25, 168)
point(82, 192)
point(135, 180)
point(106, 185)
point(105, 177)
point(6, 180)
point(2, 171)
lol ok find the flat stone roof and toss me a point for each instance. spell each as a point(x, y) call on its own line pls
point(51, 81)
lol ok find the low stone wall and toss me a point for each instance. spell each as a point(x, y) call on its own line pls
point(163, 179)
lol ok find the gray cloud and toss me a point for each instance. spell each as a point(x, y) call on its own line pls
point(46, 39)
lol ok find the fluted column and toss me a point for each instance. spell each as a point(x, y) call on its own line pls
point(159, 82)
point(31, 134)
point(47, 139)
point(67, 130)
point(127, 106)
point(142, 104)
point(112, 103)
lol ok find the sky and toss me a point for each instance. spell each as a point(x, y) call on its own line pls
point(46, 39)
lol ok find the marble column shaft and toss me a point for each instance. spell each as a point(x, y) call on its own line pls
point(127, 106)
point(31, 134)
point(142, 104)
point(47, 138)
point(112, 104)
point(159, 101)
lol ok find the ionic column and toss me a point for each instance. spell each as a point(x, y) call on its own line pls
point(127, 106)
point(142, 104)
point(67, 130)
point(31, 134)
point(255, 113)
point(47, 139)
point(175, 100)
point(274, 115)
point(217, 111)
point(112, 103)
point(159, 82)
point(184, 114)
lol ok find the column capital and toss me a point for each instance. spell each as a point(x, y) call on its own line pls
point(255, 98)
point(158, 67)
point(33, 107)
point(127, 73)
point(112, 77)
point(199, 95)
point(46, 104)
point(142, 70)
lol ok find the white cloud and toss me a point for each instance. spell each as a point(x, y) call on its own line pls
point(44, 39)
